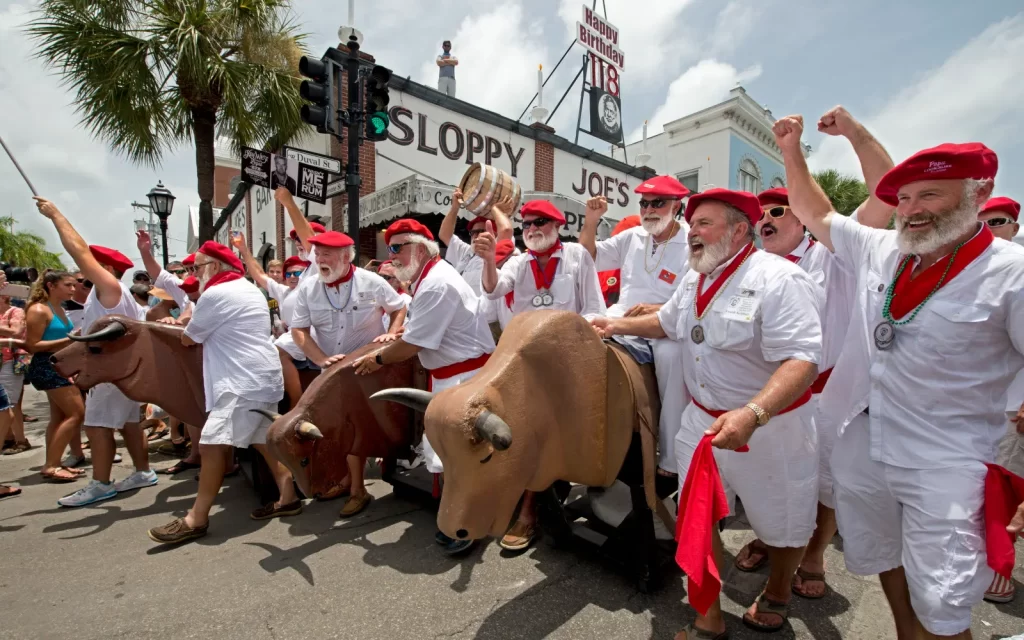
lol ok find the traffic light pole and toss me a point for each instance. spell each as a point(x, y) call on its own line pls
point(355, 139)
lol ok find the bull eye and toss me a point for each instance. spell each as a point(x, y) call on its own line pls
point(304, 462)
point(488, 458)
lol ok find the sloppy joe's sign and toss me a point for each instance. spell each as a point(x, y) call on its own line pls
point(582, 180)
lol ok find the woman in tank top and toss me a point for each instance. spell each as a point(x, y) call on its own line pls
point(47, 329)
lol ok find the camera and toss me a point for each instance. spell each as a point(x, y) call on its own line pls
point(24, 275)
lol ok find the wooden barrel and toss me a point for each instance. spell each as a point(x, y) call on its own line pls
point(483, 186)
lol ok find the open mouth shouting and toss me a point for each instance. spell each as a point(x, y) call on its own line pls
point(768, 230)
point(696, 246)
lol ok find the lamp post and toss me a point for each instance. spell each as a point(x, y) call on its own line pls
point(161, 201)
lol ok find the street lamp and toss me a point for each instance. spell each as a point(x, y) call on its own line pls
point(161, 201)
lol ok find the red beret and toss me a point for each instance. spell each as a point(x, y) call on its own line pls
point(295, 261)
point(190, 284)
point(217, 251)
point(779, 195)
point(626, 224)
point(662, 186)
point(335, 239)
point(316, 226)
point(406, 225)
point(543, 209)
point(503, 249)
point(945, 162)
point(189, 260)
point(1006, 205)
point(111, 258)
point(477, 220)
point(742, 200)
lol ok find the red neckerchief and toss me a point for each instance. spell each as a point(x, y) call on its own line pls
point(794, 258)
point(221, 277)
point(909, 292)
point(704, 299)
point(510, 297)
point(544, 279)
point(343, 279)
point(423, 274)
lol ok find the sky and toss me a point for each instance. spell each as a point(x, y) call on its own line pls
point(916, 72)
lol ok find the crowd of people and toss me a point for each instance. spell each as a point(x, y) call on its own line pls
point(841, 375)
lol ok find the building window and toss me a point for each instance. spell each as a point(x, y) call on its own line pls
point(750, 176)
point(690, 180)
point(778, 183)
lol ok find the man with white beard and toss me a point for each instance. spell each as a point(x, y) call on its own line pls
point(343, 306)
point(445, 328)
point(241, 376)
point(652, 261)
point(552, 275)
point(748, 324)
point(933, 346)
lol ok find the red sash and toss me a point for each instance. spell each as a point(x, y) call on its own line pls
point(450, 370)
point(223, 276)
point(799, 402)
point(423, 275)
point(705, 298)
point(819, 382)
point(908, 292)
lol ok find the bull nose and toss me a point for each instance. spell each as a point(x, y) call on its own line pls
point(53, 359)
point(462, 534)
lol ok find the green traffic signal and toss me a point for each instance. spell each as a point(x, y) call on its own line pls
point(379, 122)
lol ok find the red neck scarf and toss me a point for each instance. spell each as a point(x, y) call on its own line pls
point(423, 274)
point(795, 258)
point(908, 292)
point(221, 277)
point(343, 279)
point(705, 298)
point(543, 279)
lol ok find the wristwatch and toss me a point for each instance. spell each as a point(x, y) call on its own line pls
point(378, 359)
point(762, 416)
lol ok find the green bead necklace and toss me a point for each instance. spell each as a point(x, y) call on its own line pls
point(889, 293)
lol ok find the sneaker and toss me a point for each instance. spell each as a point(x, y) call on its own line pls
point(1001, 590)
point(117, 458)
point(137, 480)
point(71, 461)
point(95, 491)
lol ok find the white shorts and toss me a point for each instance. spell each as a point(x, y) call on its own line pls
point(232, 422)
point(287, 344)
point(777, 480)
point(430, 456)
point(106, 406)
point(929, 521)
point(826, 442)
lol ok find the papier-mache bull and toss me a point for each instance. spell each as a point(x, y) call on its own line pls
point(554, 402)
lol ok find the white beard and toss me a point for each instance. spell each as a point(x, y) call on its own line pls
point(712, 257)
point(406, 273)
point(656, 225)
point(332, 275)
point(203, 280)
point(539, 244)
point(945, 228)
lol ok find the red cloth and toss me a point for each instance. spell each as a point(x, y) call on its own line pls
point(666, 186)
point(907, 293)
point(543, 279)
point(1004, 492)
point(804, 398)
point(609, 283)
point(944, 162)
point(702, 504)
point(502, 250)
point(111, 257)
point(221, 277)
point(217, 251)
point(542, 209)
point(1008, 206)
point(406, 225)
point(778, 195)
point(315, 226)
point(704, 299)
point(295, 261)
point(450, 370)
point(742, 200)
point(795, 259)
point(819, 382)
point(334, 239)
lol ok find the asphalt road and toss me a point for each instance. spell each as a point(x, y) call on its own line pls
point(93, 573)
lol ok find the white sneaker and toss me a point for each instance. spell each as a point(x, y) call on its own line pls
point(95, 491)
point(137, 480)
point(71, 461)
point(117, 457)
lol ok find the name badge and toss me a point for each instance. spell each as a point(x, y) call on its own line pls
point(743, 306)
point(365, 297)
point(667, 276)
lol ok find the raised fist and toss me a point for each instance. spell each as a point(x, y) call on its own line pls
point(597, 207)
point(283, 195)
point(484, 243)
point(837, 121)
point(788, 131)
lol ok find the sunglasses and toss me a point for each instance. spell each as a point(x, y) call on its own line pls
point(657, 203)
point(998, 222)
point(179, 272)
point(394, 249)
point(775, 212)
point(80, 280)
point(293, 274)
point(86, 283)
point(536, 223)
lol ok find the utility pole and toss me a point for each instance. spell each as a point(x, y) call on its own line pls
point(355, 138)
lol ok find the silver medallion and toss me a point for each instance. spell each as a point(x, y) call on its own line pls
point(697, 334)
point(885, 336)
point(537, 301)
point(547, 300)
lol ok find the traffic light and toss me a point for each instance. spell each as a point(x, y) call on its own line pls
point(377, 99)
point(319, 90)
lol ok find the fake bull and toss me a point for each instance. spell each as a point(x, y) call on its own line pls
point(145, 360)
point(554, 402)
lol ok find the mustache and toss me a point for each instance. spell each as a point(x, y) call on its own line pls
point(768, 227)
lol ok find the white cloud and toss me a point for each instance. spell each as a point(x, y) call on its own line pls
point(974, 95)
point(703, 85)
point(735, 22)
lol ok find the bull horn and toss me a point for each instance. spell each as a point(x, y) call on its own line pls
point(493, 428)
point(269, 415)
point(417, 399)
point(112, 331)
point(309, 431)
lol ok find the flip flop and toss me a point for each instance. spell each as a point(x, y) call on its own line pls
point(178, 467)
point(810, 576)
point(55, 479)
point(9, 492)
point(766, 605)
point(753, 549)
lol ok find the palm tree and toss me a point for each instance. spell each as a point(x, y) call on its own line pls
point(150, 75)
point(845, 192)
point(25, 249)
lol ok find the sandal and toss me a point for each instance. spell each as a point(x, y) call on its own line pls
point(696, 633)
point(178, 449)
point(159, 432)
point(766, 605)
point(77, 472)
point(54, 477)
point(9, 492)
point(18, 447)
point(178, 467)
point(809, 576)
point(750, 551)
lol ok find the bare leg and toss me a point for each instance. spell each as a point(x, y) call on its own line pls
point(18, 424)
point(894, 584)
point(814, 557)
point(66, 414)
point(101, 441)
point(211, 476)
point(528, 512)
point(713, 621)
point(784, 561)
point(6, 418)
point(174, 430)
point(137, 445)
point(283, 477)
point(292, 383)
point(356, 466)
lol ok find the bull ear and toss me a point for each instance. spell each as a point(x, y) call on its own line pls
point(112, 331)
point(492, 428)
point(417, 399)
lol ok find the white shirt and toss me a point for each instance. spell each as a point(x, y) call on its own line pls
point(444, 320)
point(231, 322)
point(466, 262)
point(386, 318)
point(937, 397)
point(75, 317)
point(741, 351)
point(345, 317)
point(126, 306)
point(645, 277)
point(172, 285)
point(575, 286)
point(496, 311)
point(837, 282)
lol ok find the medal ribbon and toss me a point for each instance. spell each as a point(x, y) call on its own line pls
point(908, 293)
point(543, 279)
point(423, 274)
point(705, 298)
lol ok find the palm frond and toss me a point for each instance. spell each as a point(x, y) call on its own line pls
point(845, 192)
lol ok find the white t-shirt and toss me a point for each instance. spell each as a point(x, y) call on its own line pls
point(231, 322)
point(767, 314)
point(126, 306)
point(575, 286)
point(344, 317)
point(444, 319)
point(938, 396)
point(649, 274)
point(469, 265)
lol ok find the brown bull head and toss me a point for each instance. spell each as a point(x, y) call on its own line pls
point(487, 425)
